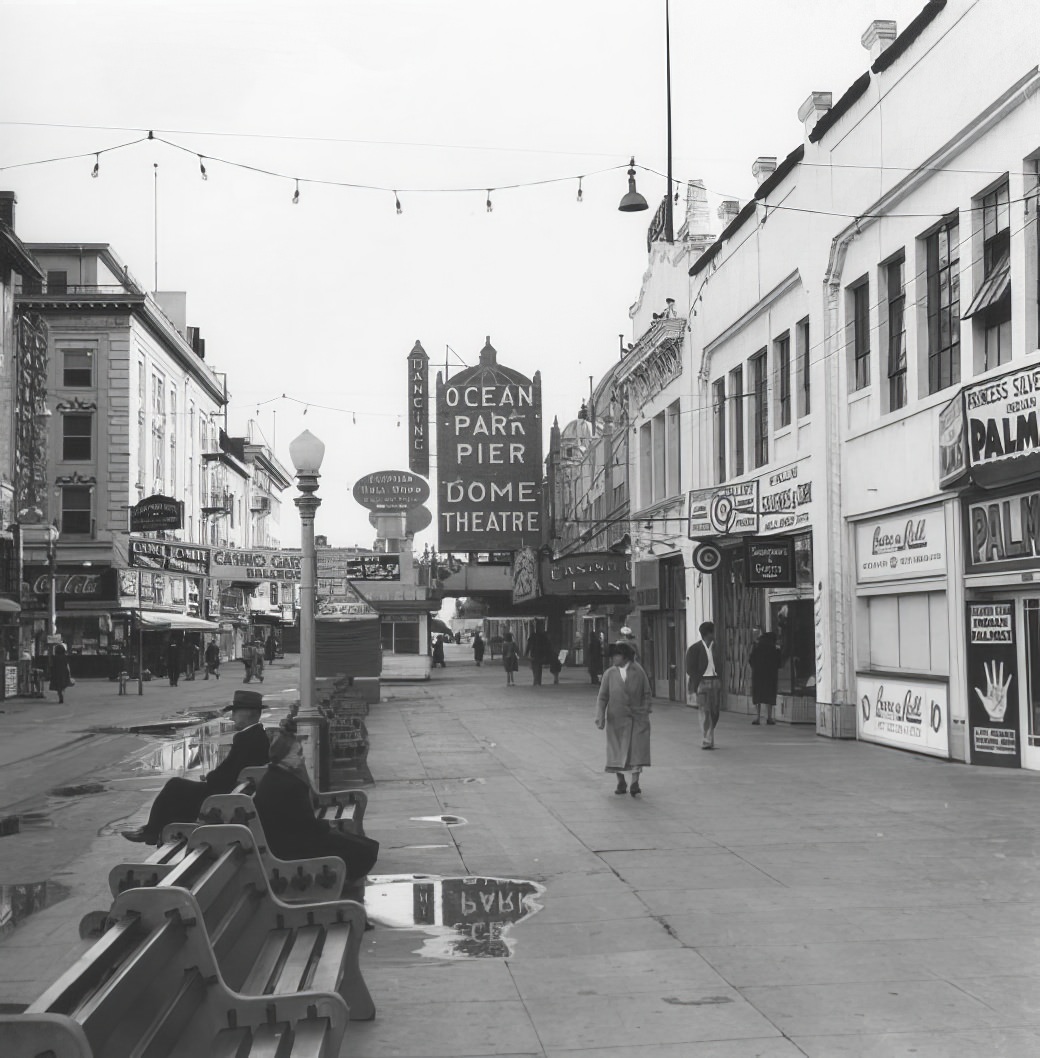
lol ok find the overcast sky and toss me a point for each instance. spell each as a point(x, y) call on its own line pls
point(322, 301)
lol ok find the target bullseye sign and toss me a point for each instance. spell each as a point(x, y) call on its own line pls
point(707, 558)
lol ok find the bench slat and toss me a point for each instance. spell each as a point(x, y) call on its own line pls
point(217, 876)
point(303, 953)
point(90, 970)
point(329, 968)
point(171, 1022)
point(267, 963)
point(272, 1041)
point(310, 1038)
point(231, 1043)
point(225, 933)
point(183, 875)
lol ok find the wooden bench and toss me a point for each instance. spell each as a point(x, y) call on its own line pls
point(341, 809)
point(151, 986)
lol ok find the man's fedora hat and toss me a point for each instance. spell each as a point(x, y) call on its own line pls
point(245, 700)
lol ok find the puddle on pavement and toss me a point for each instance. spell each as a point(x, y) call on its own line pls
point(448, 821)
point(18, 902)
point(464, 918)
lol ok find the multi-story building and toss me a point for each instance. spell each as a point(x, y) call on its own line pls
point(133, 411)
point(864, 414)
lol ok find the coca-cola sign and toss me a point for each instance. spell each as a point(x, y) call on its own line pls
point(72, 586)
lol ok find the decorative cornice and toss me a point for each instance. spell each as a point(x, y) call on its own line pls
point(75, 478)
point(76, 405)
point(655, 360)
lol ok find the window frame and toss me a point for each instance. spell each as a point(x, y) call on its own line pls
point(857, 323)
point(70, 440)
point(739, 440)
point(718, 392)
point(803, 351)
point(896, 366)
point(78, 350)
point(782, 358)
point(943, 360)
point(758, 367)
point(84, 513)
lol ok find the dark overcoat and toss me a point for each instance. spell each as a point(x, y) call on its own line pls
point(624, 702)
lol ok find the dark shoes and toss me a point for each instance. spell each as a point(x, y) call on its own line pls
point(770, 721)
point(622, 786)
point(756, 722)
point(635, 791)
point(139, 834)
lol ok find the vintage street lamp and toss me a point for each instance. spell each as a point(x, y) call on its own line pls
point(306, 453)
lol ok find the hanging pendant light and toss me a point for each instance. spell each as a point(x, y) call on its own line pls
point(633, 201)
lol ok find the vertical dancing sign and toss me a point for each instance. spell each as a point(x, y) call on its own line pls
point(418, 400)
point(489, 458)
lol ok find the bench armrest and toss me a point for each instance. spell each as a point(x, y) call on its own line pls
point(29, 1035)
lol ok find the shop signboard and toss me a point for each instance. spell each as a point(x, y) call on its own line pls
point(993, 684)
point(1003, 533)
point(156, 512)
point(1002, 427)
point(489, 459)
point(906, 713)
point(605, 574)
point(374, 567)
point(723, 511)
point(391, 491)
point(169, 555)
point(232, 563)
point(73, 586)
point(953, 452)
point(770, 563)
point(418, 411)
point(10, 681)
point(784, 500)
point(901, 546)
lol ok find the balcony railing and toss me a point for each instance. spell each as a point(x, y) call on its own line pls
point(50, 289)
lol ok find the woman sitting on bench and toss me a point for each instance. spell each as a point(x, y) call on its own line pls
point(283, 806)
point(179, 800)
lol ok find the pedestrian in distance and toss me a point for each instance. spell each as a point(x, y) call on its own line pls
point(248, 660)
point(764, 662)
point(212, 660)
point(269, 650)
point(191, 655)
point(704, 682)
point(438, 652)
point(478, 649)
point(173, 660)
point(258, 660)
point(285, 810)
point(555, 665)
point(595, 657)
point(510, 657)
point(623, 708)
point(538, 650)
point(61, 674)
point(180, 800)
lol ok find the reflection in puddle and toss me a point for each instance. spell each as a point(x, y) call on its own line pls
point(199, 750)
point(18, 902)
point(463, 917)
point(448, 821)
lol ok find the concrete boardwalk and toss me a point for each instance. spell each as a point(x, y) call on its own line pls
point(783, 895)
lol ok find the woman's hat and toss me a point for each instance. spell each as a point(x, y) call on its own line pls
point(624, 649)
point(245, 700)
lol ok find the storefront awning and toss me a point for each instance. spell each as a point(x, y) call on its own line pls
point(9, 606)
point(156, 620)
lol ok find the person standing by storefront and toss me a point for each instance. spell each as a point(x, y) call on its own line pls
point(478, 648)
point(510, 657)
point(538, 650)
point(258, 660)
point(269, 649)
point(623, 708)
point(173, 660)
point(438, 652)
point(212, 660)
point(248, 660)
point(704, 682)
point(191, 658)
point(595, 658)
point(61, 675)
point(764, 662)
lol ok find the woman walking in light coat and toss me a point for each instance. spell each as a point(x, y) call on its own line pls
point(623, 708)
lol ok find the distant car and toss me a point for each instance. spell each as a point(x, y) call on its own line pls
point(467, 635)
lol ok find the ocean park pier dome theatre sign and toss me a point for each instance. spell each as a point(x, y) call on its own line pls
point(489, 458)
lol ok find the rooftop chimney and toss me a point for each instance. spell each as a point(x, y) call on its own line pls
point(8, 199)
point(877, 36)
point(813, 109)
point(728, 210)
point(762, 167)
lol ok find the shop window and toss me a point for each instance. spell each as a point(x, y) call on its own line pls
point(736, 388)
point(782, 348)
point(77, 368)
point(794, 625)
point(857, 327)
point(804, 375)
point(718, 404)
point(943, 302)
point(77, 434)
point(400, 637)
point(907, 632)
point(1032, 633)
point(990, 308)
point(76, 510)
point(760, 412)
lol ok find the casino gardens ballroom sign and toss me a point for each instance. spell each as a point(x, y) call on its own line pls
point(489, 458)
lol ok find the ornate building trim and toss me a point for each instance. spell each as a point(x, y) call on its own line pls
point(75, 478)
point(75, 405)
point(655, 360)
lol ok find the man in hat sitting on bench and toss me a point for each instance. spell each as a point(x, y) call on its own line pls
point(180, 800)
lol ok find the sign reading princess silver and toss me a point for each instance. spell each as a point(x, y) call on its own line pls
point(1002, 416)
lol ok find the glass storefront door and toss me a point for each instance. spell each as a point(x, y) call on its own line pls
point(1029, 664)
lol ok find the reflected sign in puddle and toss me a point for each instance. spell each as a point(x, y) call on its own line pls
point(18, 902)
point(463, 917)
point(448, 821)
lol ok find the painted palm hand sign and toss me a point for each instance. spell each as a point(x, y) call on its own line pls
point(994, 701)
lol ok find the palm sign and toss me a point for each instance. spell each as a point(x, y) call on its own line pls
point(994, 701)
